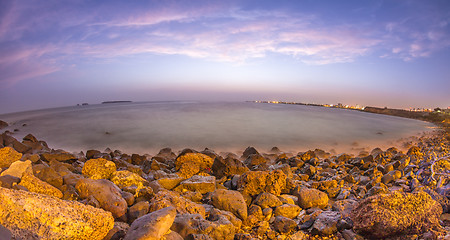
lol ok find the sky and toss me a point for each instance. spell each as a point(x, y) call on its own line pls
point(372, 53)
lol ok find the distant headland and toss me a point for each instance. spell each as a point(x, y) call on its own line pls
point(107, 102)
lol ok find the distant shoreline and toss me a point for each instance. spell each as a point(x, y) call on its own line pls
point(108, 102)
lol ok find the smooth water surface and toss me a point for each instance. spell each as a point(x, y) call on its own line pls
point(148, 127)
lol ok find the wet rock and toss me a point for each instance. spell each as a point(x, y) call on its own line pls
point(255, 182)
point(249, 151)
point(284, 225)
point(228, 167)
point(3, 124)
point(99, 168)
point(138, 210)
point(8, 181)
point(287, 210)
point(60, 156)
point(197, 183)
point(31, 215)
point(18, 168)
point(166, 198)
point(34, 184)
point(18, 146)
point(219, 228)
point(387, 215)
point(152, 226)
point(326, 223)
point(231, 201)
point(267, 200)
point(7, 156)
point(49, 175)
point(310, 198)
point(191, 164)
point(105, 192)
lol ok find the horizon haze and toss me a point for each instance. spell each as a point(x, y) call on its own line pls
point(371, 53)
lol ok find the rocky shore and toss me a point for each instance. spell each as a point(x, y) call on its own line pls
point(382, 194)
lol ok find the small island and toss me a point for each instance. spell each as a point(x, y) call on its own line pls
point(107, 102)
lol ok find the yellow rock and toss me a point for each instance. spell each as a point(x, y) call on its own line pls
point(8, 155)
point(99, 168)
point(35, 216)
point(191, 164)
point(34, 184)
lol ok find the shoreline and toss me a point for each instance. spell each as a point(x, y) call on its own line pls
point(307, 195)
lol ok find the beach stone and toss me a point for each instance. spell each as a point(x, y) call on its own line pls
point(310, 198)
point(49, 175)
point(284, 225)
point(344, 207)
point(255, 182)
point(105, 192)
point(18, 168)
point(326, 223)
point(219, 228)
point(256, 162)
point(228, 167)
point(98, 168)
point(165, 198)
point(287, 210)
point(388, 215)
point(34, 184)
point(7, 156)
point(231, 201)
point(215, 213)
point(170, 183)
point(191, 164)
point(285, 198)
point(118, 232)
point(126, 179)
point(59, 155)
point(8, 181)
point(197, 183)
point(267, 200)
point(35, 216)
point(18, 146)
point(3, 124)
point(152, 226)
point(129, 197)
point(93, 154)
point(138, 210)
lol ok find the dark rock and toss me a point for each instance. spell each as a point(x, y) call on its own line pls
point(50, 176)
point(153, 225)
point(348, 234)
point(326, 223)
point(118, 232)
point(129, 198)
point(256, 162)
point(3, 124)
point(284, 225)
point(249, 151)
point(93, 154)
point(7, 181)
point(18, 146)
point(219, 228)
point(138, 210)
point(59, 156)
point(228, 167)
point(393, 214)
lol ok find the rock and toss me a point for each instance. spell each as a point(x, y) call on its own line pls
point(138, 210)
point(118, 232)
point(152, 226)
point(191, 164)
point(128, 180)
point(50, 176)
point(256, 162)
point(284, 225)
point(249, 151)
point(219, 228)
point(60, 156)
point(3, 124)
point(34, 184)
point(105, 192)
point(326, 223)
point(201, 184)
point(173, 236)
point(215, 213)
point(231, 201)
point(287, 210)
point(344, 207)
point(92, 154)
point(7, 156)
point(18, 168)
point(255, 182)
point(5, 234)
point(8, 181)
point(31, 215)
point(170, 183)
point(393, 214)
point(267, 200)
point(18, 146)
point(98, 168)
point(350, 235)
point(310, 197)
point(228, 167)
point(166, 198)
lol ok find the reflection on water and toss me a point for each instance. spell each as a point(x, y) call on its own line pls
point(148, 127)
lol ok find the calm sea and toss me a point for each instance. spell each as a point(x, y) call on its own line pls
point(150, 126)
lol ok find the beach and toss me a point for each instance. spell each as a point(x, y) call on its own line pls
point(202, 194)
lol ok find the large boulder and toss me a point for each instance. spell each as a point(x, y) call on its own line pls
point(166, 198)
point(34, 184)
point(255, 182)
point(18, 168)
point(388, 215)
point(197, 183)
point(35, 216)
point(191, 164)
point(310, 197)
point(228, 167)
point(49, 175)
point(219, 228)
point(231, 201)
point(287, 210)
point(98, 168)
point(267, 200)
point(105, 192)
point(59, 155)
point(152, 226)
point(7, 156)
point(326, 223)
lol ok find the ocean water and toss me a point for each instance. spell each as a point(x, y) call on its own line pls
point(149, 126)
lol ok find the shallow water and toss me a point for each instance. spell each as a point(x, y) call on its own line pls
point(148, 127)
